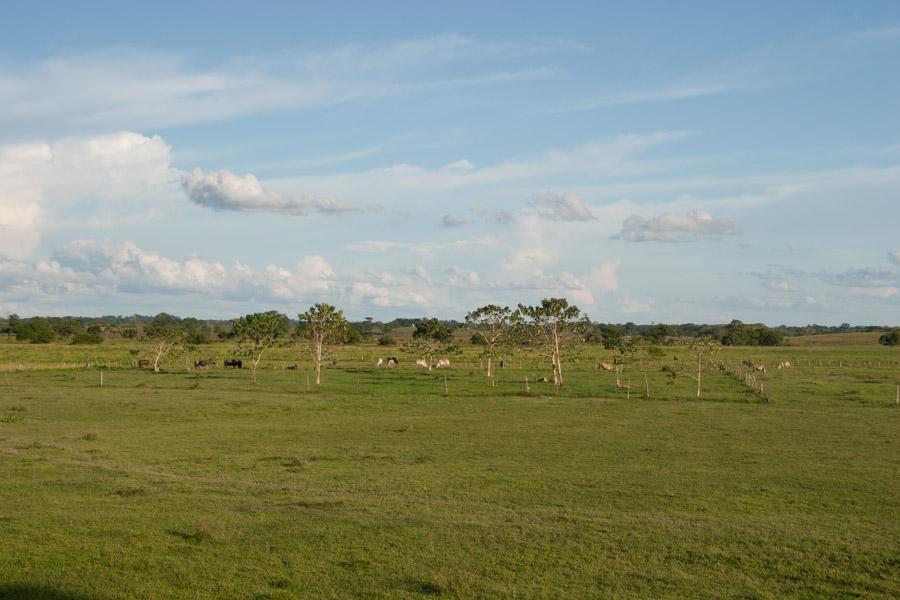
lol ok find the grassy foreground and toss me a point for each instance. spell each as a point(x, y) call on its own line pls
point(200, 485)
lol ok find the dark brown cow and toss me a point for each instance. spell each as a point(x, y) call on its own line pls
point(143, 363)
point(233, 362)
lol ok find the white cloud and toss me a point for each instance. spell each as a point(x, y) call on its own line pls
point(132, 88)
point(40, 181)
point(562, 208)
point(696, 225)
point(603, 278)
point(362, 292)
point(223, 190)
point(98, 268)
point(463, 278)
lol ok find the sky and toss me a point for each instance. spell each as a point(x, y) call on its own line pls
point(655, 162)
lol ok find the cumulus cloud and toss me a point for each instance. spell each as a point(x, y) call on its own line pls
point(364, 292)
point(463, 278)
point(223, 190)
point(98, 268)
point(695, 225)
point(40, 180)
point(562, 208)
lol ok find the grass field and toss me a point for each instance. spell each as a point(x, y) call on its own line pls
point(378, 484)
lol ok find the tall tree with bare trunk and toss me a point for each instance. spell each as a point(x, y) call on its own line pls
point(553, 326)
point(163, 340)
point(257, 332)
point(322, 325)
point(494, 324)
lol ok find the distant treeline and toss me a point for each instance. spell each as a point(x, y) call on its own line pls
point(87, 330)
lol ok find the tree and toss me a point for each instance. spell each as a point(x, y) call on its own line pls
point(163, 340)
point(890, 339)
point(431, 337)
point(257, 332)
point(11, 323)
point(86, 338)
point(37, 331)
point(553, 326)
point(703, 351)
point(322, 325)
point(610, 337)
point(494, 327)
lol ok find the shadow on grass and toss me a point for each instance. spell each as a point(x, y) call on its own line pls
point(36, 592)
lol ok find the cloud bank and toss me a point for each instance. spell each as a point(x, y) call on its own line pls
point(695, 225)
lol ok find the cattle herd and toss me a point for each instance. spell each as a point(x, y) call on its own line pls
point(442, 363)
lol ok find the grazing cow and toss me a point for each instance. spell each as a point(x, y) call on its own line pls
point(421, 363)
point(292, 367)
point(204, 363)
point(784, 365)
point(443, 363)
point(234, 362)
point(760, 368)
point(747, 363)
point(393, 362)
point(143, 363)
point(379, 363)
point(604, 366)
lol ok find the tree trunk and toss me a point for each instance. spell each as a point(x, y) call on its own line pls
point(255, 364)
point(557, 375)
point(318, 362)
point(490, 366)
point(699, 371)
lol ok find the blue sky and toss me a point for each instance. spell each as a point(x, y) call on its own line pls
point(698, 162)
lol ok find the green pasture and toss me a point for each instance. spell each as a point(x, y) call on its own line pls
point(406, 483)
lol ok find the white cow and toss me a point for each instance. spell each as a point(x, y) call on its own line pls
point(379, 363)
point(443, 363)
point(421, 363)
point(785, 364)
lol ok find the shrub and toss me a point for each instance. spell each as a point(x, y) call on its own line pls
point(386, 340)
point(890, 339)
point(87, 338)
point(36, 331)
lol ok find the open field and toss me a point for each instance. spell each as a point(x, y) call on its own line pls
point(378, 484)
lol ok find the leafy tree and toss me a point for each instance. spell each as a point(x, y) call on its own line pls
point(610, 337)
point(69, 327)
point(37, 331)
point(494, 325)
point(12, 322)
point(387, 340)
point(129, 333)
point(163, 340)
point(165, 320)
point(431, 337)
point(257, 332)
point(552, 326)
point(322, 325)
point(890, 339)
point(657, 334)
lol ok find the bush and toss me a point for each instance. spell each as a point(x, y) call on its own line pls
point(87, 338)
point(890, 339)
point(386, 340)
point(36, 331)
